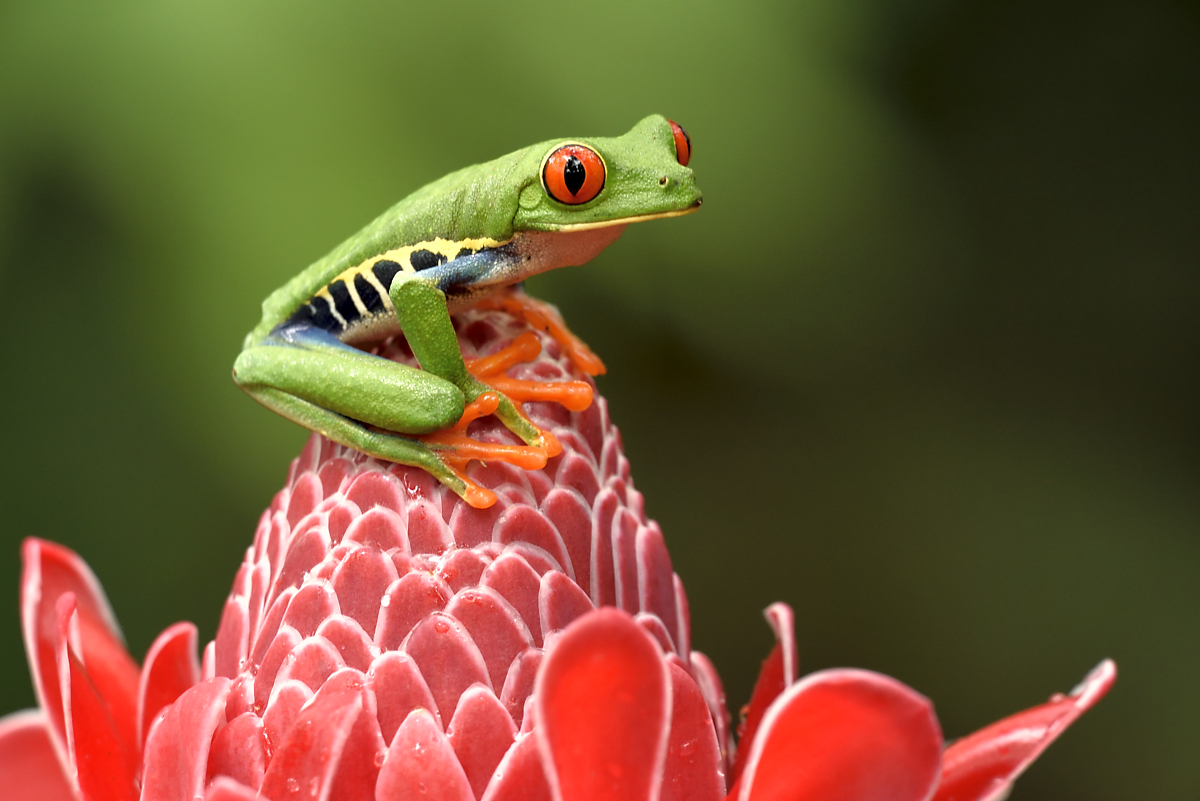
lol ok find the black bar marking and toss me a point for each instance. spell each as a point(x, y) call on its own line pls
point(425, 259)
point(464, 253)
point(317, 314)
point(385, 271)
point(343, 301)
point(368, 294)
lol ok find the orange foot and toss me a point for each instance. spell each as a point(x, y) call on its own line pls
point(455, 449)
point(575, 395)
point(545, 317)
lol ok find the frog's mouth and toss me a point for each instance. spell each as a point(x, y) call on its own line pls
point(627, 220)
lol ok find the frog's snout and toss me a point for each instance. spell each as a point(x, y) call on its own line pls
point(682, 193)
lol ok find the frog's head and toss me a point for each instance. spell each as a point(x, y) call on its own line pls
point(593, 183)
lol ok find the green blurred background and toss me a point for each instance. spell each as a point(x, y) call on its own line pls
point(926, 366)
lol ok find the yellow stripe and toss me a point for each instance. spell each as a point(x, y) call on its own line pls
point(403, 256)
point(380, 288)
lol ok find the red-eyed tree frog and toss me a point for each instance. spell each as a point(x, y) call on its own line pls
point(465, 240)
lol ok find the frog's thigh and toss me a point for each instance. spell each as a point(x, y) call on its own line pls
point(341, 429)
point(367, 388)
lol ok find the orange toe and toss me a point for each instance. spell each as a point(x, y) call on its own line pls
point(546, 318)
point(485, 404)
point(476, 496)
point(456, 450)
point(524, 348)
point(574, 395)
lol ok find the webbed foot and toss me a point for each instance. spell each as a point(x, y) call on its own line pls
point(491, 370)
point(455, 449)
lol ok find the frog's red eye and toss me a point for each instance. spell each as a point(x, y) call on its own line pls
point(573, 174)
point(683, 145)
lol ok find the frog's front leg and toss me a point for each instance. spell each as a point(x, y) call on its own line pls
point(421, 308)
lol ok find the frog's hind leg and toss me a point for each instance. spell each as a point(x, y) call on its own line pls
point(367, 402)
point(441, 463)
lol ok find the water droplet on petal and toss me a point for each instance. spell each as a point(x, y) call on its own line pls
point(380, 758)
point(441, 626)
point(293, 785)
point(385, 601)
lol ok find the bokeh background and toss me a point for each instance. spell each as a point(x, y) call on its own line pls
point(926, 366)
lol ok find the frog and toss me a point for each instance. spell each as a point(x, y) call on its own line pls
point(467, 240)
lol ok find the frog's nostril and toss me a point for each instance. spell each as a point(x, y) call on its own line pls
point(663, 181)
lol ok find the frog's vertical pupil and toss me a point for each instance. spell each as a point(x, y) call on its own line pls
point(574, 174)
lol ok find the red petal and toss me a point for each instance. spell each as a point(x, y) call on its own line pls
point(519, 584)
point(711, 688)
point(520, 776)
point(176, 761)
point(782, 621)
point(381, 528)
point(481, 734)
point(399, 689)
point(233, 636)
point(569, 513)
point(350, 640)
point(50, 571)
point(625, 561)
point(518, 685)
point(463, 567)
point(313, 661)
point(360, 581)
point(312, 605)
point(845, 735)
point(407, 602)
point(170, 669)
point(693, 771)
point(285, 640)
point(602, 707)
point(777, 674)
point(656, 579)
point(287, 699)
point(982, 766)
point(103, 761)
point(495, 627)
point(27, 760)
point(305, 763)
point(560, 601)
point(421, 765)
point(239, 750)
point(358, 769)
point(448, 660)
point(520, 523)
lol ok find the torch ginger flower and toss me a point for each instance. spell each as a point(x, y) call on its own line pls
point(384, 640)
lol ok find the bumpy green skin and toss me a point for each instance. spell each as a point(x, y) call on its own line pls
point(328, 387)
